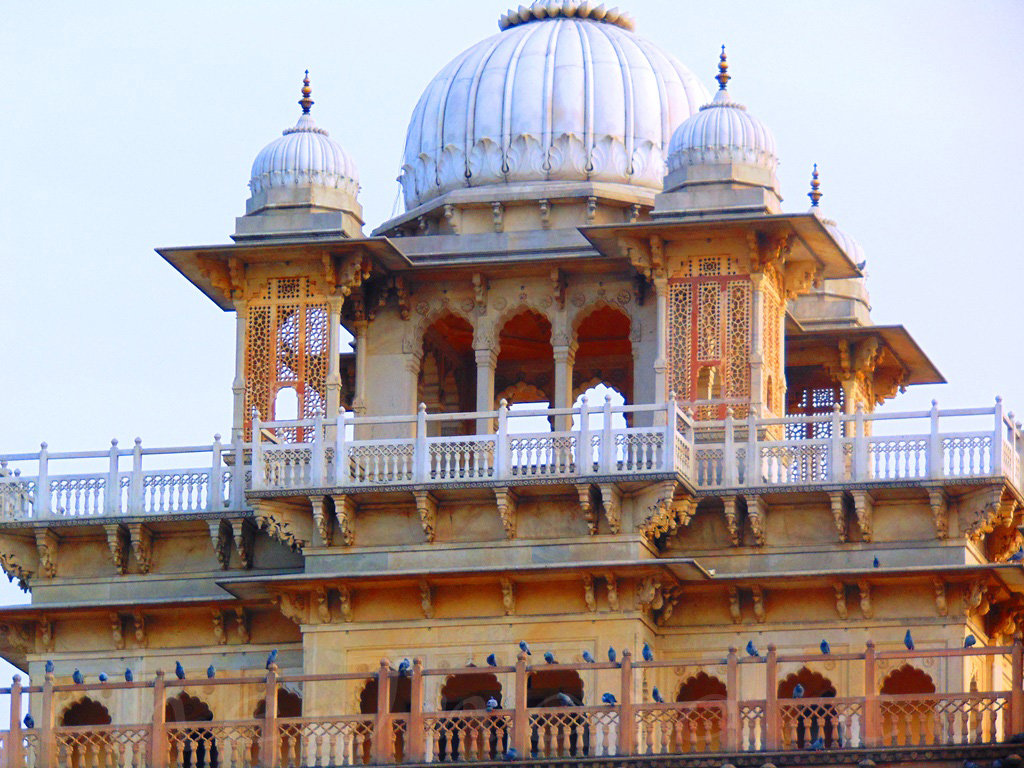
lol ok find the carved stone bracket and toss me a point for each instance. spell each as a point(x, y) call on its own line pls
point(757, 511)
point(670, 599)
point(293, 605)
point(588, 593)
point(735, 612)
point(866, 608)
point(759, 610)
point(117, 542)
point(837, 499)
point(864, 506)
point(345, 603)
point(220, 536)
point(14, 569)
point(975, 598)
point(508, 596)
point(322, 524)
point(661, 518)
point(612, 586)
point(45, 635)
point(322, 602)
point(426, 599)
point(586, 496)
point(649, 596)
point(139, 624)
point(282, 523)
point(941, 604)
point(344, 515)
point(426, 506)
point(244, 535)
point(939, 503)
point(840, 592)
point(46, 544)
point(732, 519)
point(241, 625)
point(611, 502)
point(142, 546)
point(480, 288)
point(116, 630)
point(507, 501)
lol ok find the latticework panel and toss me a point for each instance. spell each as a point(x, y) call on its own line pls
point(460, 737)
point(774, 380)
point(91, 746)
point(228, 745)
point(971, 719)
point(575, 732)
point(310, 742)
point(737, 339)
point(680, 308)
point(822, 723)
point(669, 729)
point(709, 322)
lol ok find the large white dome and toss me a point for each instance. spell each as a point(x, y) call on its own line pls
point(565, 93)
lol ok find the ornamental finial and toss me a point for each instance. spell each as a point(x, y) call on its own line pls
point(815, 193)
point(305, 102)
point(723, 76)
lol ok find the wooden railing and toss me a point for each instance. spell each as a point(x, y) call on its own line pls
point(558, 728)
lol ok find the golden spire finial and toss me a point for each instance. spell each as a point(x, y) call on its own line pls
point(723, 75)
point(815, 193)
point(305, 102)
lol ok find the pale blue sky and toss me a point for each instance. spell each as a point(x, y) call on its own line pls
point(127, 126)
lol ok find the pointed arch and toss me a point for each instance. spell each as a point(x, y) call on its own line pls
point(85, 711)
point(804, 724)
point(525, 358)
point(602, 333)
point(907, 722)
point(907, 679)
point(191, 747)
point(72, 752)
point(704, 725)
point(701, 687)
point(446, 381)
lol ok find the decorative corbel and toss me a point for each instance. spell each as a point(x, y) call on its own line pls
point(46, 544)
point(840, 592)
point(142, 546)
point(344, 515)
point(865, 599)
point(545, 213)
point(117, 542)
point(450, 217)
point(732, 519)
point(220, 536)
point(116, 630)
point(734, 605)
point(759, 612)
point(941, 605)
point(648, 594)
point(426, 506)
point(591, 209)
point(612, 585)
point(661, 517)
point(975, 598)
point(558, 287)
point(322, 521)
point(757, 511)
point(586, 496)
point(588, 593)
point(633, 213)
point(684, 510)
point(45, 636)
point(345, 603)
point(480, 288)
point(402, 296)
point(14, 570)
point(838, 501)
point(241, 625)
point(507, 501)
point(939, 503)
point(498, 216)
point(508, 596)
point(864, 506)
point(323, 605)
point(292, 606)
point(217, 622)
point(611, 502)
point(139, 622)
point(670, 599)
point(426, 599)
point(244, 536)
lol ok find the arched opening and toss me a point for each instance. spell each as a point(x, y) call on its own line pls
point(74, 751)
point(810, 723)
point(525, 357)
point(288, 705)
point(401, 702)
point(190, 745)
point(473, 737)
point(911, 722)
point(286, 408)
point(604, 352)
point(557, 735)
point(702, 725)
point(447, 377)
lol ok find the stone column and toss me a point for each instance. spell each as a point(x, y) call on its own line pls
point(334, 305)
point(486, 363)
point(238, 418)
point(757, 393)
point(565, 358)
point(359, 397)
point(661, 339)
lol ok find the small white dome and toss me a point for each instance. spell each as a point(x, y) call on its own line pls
point(565, 93)
point(722, 132)
point(304, 155)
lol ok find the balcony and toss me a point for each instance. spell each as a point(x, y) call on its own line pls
point(630, 443)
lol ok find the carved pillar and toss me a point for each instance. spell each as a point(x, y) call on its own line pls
point(661, 338)
point(486, 363)
point(333, 356)
point(565, 358)
point(359, 399)
point(757, 344)
point(238, 383)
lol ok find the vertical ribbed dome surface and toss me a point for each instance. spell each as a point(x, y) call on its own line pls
point(304, 155)
point(722, 131)
point(560, 98)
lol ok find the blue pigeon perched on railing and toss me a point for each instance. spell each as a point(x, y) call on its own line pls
point(970, 641)
point(128, 676)
point(49, 666)
point(492, 704)
point(179, 670)
point(609, 699)
point(798, 691)
point(1017, 556)
point(524, 648)
point(825, 648)
point(908, 640)
point(492, 661)
point(211, 672)
point(29, 722)
point(103, 677)
point(564, 700)
point(589, 657)
point(403, 667)
point(549, 657)
point(611, 654)
point(77, 677)
point(752, 649)
point(648, 654)
point(271, 658)
point(512, 754)
point(818, 744)
point(656, 695)
point(875, 564)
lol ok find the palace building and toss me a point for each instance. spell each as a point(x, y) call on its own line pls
point(596, 388)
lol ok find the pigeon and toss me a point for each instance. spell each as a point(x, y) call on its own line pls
point(512, 754)
point(609, 699)
point(403, 667)
point(103, 677)
point(798, 691)
point(77, 677)
point(549, 657)
point(49, 666)
point(970, 641)
point(876, 564)
point(752, 649)
point(1017, 738)
point(908, 641)
point(817, 744)
point(648, 654)
point(492, 704)
point(564, 700)
point(29, 722)
point(656, 695)
point(971, 764)
point(825, 649)
point(611, 654)
point(1017, 556)
point(211, 672)
point(589, 657)
point(862, 264)
point(128, 676)
point(179, 670)
point(271, 658)
point(524, 648)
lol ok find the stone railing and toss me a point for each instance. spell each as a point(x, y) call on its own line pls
point(515, 447)
point(598, 710)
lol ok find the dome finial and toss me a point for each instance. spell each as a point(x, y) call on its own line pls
point(723, 75)
point(815, 193)
point(305, 102)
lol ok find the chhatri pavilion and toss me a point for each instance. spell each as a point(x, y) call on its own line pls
point(595, 393)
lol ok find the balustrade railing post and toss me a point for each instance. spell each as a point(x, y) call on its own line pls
point(258, 478)
point(752, 461)
point(772, 725)
point(669, 454)
point(732, 702)
point(341, 466)
point(237, 500)
point(860, 446)
point(112, 492)
point(414, 738)
point(871, 736)
point(13, 757)
point(1016, 688)
point(730, 468)
point(42, 500)
point(627, 720)
point(520, 717)
point(934, 443)
point(270, 750)
point(421, 453)
point(158, 732)
point(584, 453)
point(997, 438)
point(836, 463)
point(383, 739)
point(318, 470)
point(607, 438)
point(501, 446)
point(216, 497)
point(136, 491)
point(46, 736)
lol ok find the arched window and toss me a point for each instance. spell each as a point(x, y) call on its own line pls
point(476, 737)
point(525, 357)
point(561, 735)
point(702, 731)
point(447, 377)
point(74, 751)
point(804, 725)
point(908, 722)
point(401, 702)
point(604, 351)
point(288, 705)
point(190, 746)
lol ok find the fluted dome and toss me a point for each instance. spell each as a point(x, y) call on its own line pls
point(564, 93)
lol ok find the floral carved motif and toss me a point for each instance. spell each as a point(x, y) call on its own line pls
point(220, 536)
